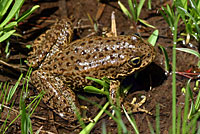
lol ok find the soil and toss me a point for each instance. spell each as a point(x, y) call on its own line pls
point(153, 81)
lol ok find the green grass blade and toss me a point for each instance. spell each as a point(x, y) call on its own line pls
point(5, 91)
point(6, 35)
point(166, 58)
point(132, 121)
point(7, 51)
point(10, 26)
point(36, 103)
point(89, 127)
point(12, 91)
point(92, 89)
point(146, 23)
point(197, 102)
point(192, 125)
point(130, 3)
point(185, 4)
point(7, 117)
point(198, 5)
point(157, 119)
point(4, 5)
point(170, 12)
point(191, 17)
point(99, 106)
point(198, 129)
point(139, 8)
point(24, 127)
point(2, 92)
point(186, 108)
point(153, 38)
point(164, 16)
point(193, 4)
point(124, 10)
point(2, 101)
point(150, 127)
point(167, 18)
point(187, 50)
point(103, 126)
point(100, 82)
point(149, 4)
point(13, 11)
point(179, 121)
point(30, 125)
point(174, 31)
point(27, 13)
point(1, 32)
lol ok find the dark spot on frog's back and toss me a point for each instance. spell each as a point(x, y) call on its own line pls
point(96, 49)
point(149, 55)
point(68, 23)
point(72, 57)
point(59, 54)
point(59, 63)
point(90, 41)
point(82, 44)
point(105, 49)
point(87, 56)
point(76, 68)
point(108, 41)
point(55, 60)
point(54, 66)
point(83, 52)
point(67, 53)
point(68, 64)
point(78, 61)
point(129, 39)
point(62, 58)
point(112, 57)
point(101, 55)
point(76, 50)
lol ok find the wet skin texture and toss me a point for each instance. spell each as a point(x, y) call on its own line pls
point(61, 66)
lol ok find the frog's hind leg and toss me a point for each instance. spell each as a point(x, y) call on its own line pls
point(52, 41)
point(59, 97)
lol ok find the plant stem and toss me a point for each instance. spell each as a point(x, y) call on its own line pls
point(174, 31)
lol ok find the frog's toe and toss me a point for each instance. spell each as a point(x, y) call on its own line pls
point(134, 107)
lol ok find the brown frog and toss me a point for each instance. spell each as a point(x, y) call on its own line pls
point(62, 66)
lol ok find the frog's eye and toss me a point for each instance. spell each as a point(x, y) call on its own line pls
point(135, 61)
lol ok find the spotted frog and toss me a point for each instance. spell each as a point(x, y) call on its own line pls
point(61, 66)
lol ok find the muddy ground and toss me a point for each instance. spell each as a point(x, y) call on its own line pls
point(153, 76)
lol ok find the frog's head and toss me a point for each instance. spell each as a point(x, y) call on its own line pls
point(140, 58)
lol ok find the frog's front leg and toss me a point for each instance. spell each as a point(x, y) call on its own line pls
point(58, 96)
point(116, 93)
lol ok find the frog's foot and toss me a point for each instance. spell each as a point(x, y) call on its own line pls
point(134, 107)
point(87, 120)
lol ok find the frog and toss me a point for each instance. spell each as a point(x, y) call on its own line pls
point(62, 65)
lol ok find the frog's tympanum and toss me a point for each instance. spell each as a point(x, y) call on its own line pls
point(61, 66)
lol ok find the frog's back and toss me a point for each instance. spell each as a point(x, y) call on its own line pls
point(99, 56)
